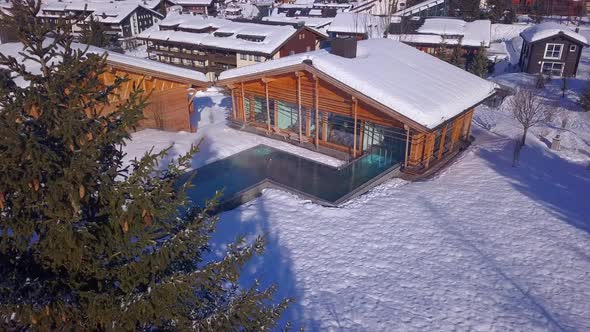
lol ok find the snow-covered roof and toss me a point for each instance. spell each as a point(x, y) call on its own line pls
point(103, 11)
point(419, 7)
point(228, 35)
point(550, 29)
point(416, 85)
point(473, 33)
point(193, 2)
point(314, 22)
point(358, 23)
point(13, 49)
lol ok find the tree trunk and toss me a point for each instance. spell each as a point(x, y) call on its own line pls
point(523, 142)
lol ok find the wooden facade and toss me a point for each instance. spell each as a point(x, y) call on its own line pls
point(168, 107)
point(320, 102)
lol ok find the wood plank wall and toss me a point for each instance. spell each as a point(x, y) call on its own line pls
point(168, 107)
point(423, 147)
point(284, 87)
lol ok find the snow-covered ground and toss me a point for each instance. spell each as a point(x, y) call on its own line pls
point(482, 246)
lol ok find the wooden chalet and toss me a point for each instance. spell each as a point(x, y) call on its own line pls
point(168, 87)
point(417, 108)
point(551, 49)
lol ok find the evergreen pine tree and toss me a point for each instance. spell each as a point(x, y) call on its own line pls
point(479, 64)
point(87, 243)
point(93, 33)
point(457, 56)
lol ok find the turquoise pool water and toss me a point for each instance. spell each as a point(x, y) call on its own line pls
point(246, 169)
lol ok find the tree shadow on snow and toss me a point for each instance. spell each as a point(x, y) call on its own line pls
point(514, 301)
point(561, 187)
point(274, 266)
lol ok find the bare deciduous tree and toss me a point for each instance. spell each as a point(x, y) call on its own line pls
point(529, 110)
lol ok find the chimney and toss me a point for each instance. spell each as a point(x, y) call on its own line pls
point(344, 47)
point(577, 29)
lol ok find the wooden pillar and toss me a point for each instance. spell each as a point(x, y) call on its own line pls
point(428, 149)
point(325, 127)
point(276, 114)
point(243, 103)
point(233, 104)
point(317, 113)
point(251, 108)
point(441, 146)
point(299, 103)
point(354, 111)
point(267, 106)
point(407, 128)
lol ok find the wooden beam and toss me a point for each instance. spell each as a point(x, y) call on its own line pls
point(299, 103)
point(407, 128)
point(317, 112)
point(441, 145)
point(267, 106)
point(267, 80)
point(233, 104)
point(243, 103)
point(354, 111)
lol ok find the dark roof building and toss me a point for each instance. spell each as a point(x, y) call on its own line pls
point(551, 49)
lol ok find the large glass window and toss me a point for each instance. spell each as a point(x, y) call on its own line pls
point(553, 51)
point(287, 117)
point(260, 110)
point(381, 138)
point(552, 68)
point(341, 130)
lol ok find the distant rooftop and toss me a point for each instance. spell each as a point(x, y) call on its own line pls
point(410, 82)
point(450, 31)
point(550, 29)
point(230, 35)
point(359, 23)
point(13, 49)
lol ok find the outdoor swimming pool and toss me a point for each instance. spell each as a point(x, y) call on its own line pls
point(247, 170)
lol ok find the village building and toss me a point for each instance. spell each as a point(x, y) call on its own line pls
point(358, 25)
point(431, 34)
point(122, 21)
point(212, 45)
point(166, 86)
point(428, 8)
point(372, 99)
point(551, 49)
point(199, 7)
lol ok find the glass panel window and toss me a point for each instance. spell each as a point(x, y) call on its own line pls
point(553, 51)
point(573, 48)
point(552, 68)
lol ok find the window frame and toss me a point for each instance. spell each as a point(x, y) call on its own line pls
point(552, 71)
point(561, 47)
point(573, 48)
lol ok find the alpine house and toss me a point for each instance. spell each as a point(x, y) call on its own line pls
point(375, 97)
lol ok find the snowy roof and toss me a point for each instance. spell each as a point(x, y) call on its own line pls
point(193, 2)
point(358, 23)
point(103, 11)
point(314, 22)
point(13, 49)
point(228, 35)
point(414, 84)
point(550, 29)
point(473, 33)
point(419, 7)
